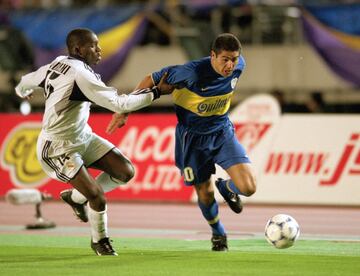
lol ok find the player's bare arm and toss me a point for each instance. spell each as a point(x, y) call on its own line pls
point(147, 82)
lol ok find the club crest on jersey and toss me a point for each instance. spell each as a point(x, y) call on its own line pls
point(234, 82)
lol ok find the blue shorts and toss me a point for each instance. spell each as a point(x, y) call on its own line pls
point(197, 154)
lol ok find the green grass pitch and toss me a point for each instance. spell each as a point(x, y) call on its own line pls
point(63, 255)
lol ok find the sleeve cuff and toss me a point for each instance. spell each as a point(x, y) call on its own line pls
point(155, 90)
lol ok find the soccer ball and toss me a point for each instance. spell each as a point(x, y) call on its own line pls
point(282, 231)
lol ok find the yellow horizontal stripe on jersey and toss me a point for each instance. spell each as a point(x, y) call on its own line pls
point(202, 106)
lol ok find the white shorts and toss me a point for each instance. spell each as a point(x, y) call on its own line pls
point(62, 159)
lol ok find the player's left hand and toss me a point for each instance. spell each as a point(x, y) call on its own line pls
point(24, 93)
point(117, 121)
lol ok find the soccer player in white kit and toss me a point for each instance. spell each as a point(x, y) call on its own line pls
point(67, 146)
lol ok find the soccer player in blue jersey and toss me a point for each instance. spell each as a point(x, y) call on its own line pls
point(204, 133)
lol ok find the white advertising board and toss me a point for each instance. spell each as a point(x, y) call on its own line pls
point(314, 159)
point(301, 159)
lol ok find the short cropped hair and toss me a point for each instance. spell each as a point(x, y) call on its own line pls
point(226, 42)
point(77, 37)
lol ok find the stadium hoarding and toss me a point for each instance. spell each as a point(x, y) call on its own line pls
point(298, 159)
point(148, 140)
point(302, 158)
point(314, 159)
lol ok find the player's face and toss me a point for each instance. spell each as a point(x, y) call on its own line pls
point(224, 62)
point(91, 51)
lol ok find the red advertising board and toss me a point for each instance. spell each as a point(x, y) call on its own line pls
point(147, 140)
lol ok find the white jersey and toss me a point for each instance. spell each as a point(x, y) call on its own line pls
point(69, 86)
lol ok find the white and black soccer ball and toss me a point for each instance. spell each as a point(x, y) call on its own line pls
point(282, 231)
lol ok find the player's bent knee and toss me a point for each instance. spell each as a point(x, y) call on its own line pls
point(126, 174)
point(251, 188)
point(250, 191)
point(130, 172)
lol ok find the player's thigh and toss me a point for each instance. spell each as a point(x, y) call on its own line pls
point(243, 177)
point(103, 155)
point(115, 164)
point(59, 159)
point(95, 148)
point(193, 157)
point(231, 153)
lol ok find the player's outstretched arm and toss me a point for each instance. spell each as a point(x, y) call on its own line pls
point(119, 120)
point(97, 92)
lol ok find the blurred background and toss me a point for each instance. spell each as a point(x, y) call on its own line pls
point(305, 53)
point(295, 108)
point(304, 56)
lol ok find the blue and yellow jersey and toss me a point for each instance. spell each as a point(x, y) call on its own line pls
point(202, 97)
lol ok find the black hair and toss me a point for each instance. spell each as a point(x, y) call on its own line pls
point(77, 37)
point(226, 42)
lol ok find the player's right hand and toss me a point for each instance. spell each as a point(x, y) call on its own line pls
point(117, 121)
